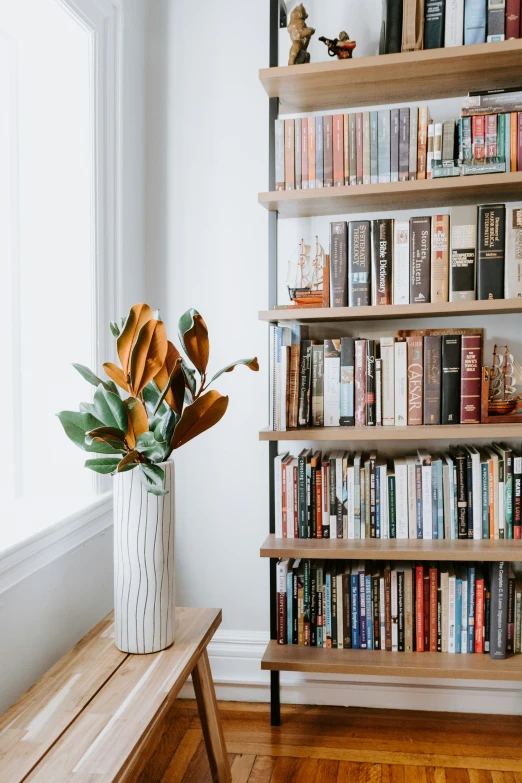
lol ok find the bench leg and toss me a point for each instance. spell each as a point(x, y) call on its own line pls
point(210, 721)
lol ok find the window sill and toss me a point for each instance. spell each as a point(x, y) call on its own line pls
point(59, 528)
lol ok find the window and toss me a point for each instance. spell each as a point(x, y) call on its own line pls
point(54, 265)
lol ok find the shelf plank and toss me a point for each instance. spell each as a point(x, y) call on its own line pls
point(456, 432)
point(414, 194)
point(408, 76)
point(293, 658)
point(392, 549)
point(391, 312)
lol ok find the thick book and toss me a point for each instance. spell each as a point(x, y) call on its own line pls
point(414, 128)
point(289, 154)
point(470, 378)
point(432, 378)
point(370, 383)
point(439, 285)
point(401, 262)
point(498, 610)
point(305, 378)
point(474, 21)
point(491, 251)
point(298, 333)
point(338, 151)
point(282, 573)
point(360, 383)
point(359, 263)
point(463, 253)
point(317, 418)
point(415, 378)
point(420, 230)
point(454, 23)
point(434, 24)
point(512, 19)
point(394, 145)
point(412, 25)
point(391, 40)
point(460, 459)
point(496, 22)
point(332, 371)
point(478, 138)
point(513, 274)
point(347, 418)
point(450, 397)
point(382, 255)
point(338, 264)
point(384, 145)
point(422, 142)
point(328, 151)
point(279, 154)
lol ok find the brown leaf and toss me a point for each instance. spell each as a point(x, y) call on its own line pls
point(196, 343)
point(176, 370)
point(162, 378)
point(117, 375)
point(204, 412)
point(109, 435)
point(130, 457)
point(148, 355)
point(138, 421)
point(253, 365)
point(138, 317)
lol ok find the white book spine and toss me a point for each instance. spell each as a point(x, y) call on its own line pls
point(289, 500)
point(427, 516)
point(401, 262)
point(340, 631)
point(283, 380)
point(362, 527)
point(501, 513)
point(388, 381)
point(357, 496)
point(385, 521)
point(464, 619)
point(351, 501)
point(401, 397)
point(412, 492)
point(454, 28)
point(325, 489)
point(513, 274)
point(437, 146)
point(278, 491)
point(477, 495)
point(451, 613)
point(394, 613)
point(401, 500)
point(332, 397)
point(430, 153)
point(382, 611)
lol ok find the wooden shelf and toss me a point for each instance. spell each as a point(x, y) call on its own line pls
point(294, 658)
point(417, 194)
point(388, 312)
point(456, 432)
point(392, 549)
point(408, 76)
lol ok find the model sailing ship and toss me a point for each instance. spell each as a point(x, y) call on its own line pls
point(505, 383)
point(306, 270)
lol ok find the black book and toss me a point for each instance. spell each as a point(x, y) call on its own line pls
point(450, 413)
point(376, 615)
point(391, 34)
point(338, 265)
point(333, 572)
point(462, 493)
point(347, 418)
point(306, 600)
point(469, 480)
point(439, 618)
point(491, 251)
point(373, 520)
point(434, 24)
point(302, 494)
point(382, 250)
point(432, 378)
point(498, 610)
point(305, 379)
point(400, 604)
point(313, 489)
point(332, 497)
point(295, 582)
point(359, 263)
point(370, 383)
point(420, 259)
point(347, 614)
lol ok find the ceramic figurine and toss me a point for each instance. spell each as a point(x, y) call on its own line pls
point(300, 36)
point(342, 46)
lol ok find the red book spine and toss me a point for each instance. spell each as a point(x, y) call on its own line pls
point(415, 379)
point(296, 521)
point(426, 611)
point(478, 136)
point(304, 155)
point(519, 146)
point(359, 146)
point(491, 136)
point(433, 609)
point(284, 500)
point(319, 503)
point(360, 383)
point(479, 616)
point(311, 152)
point(512, 19)
point(419, 608)
point(470, 378)
point(326, 500)
point(338, 150)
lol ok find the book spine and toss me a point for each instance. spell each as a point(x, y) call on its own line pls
point(293, 376)
point(303, 408)
point(513, 279)
point(370, 383)
point(400, 612)
point(466, 155)
point(306, 602)
point(392, 506)
point(454, 23)
point(513, 163)
point(434, 24)
point(381, 255)
point(474, 21)
point(432, 379)
point(317, 385)
point(311, 152)
point(354, 600)
point(319, 501)
point(359, 146)
point(422, 142)
point(498, 610)
point(413, 151)
point(359, 264)
point(378, 392)
point(332, 368)
point(439, 286)
point(496, 28)
point(362, 611)
point(470, 378)
point(462, 496)
point(463, 254)
point(346, 148)
point(517, 497)
point(387, 610)
point(392, 27)
point(491, 137)
point(433, 575)
point(404, 142)
point(353, 149)
point(401, 394)
point(394, 145)
point(419, 608)
point(282, 571)
point(347, 382)
point(420, 230)
point(491, 251)
point(289, 155)
point(388, 381)
point(338, 150)
point(430, 150)
point(304, 155)
point(338, 264)
point(360, 383)
point(328, 151)
point(374, 146)
point(401, 262)
point(512, 19)
point(384, 145)
point(375, 613)
point(319, 153)
point(478, 137)
point(366, 148)
point(279, 154)
point(451, 356)
point(298, 154)
point(415, 380)
point(510, 631)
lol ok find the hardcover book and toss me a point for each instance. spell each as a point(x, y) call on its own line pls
point(305, 378)
point(388, 380)
point(353, 149)
point(298, 154)
point(374, 142)
point(451, 356)
point(415, 377)
point(401, 393)
point(346, 148)
point(496, 28)
point(347, 418)
point(319, 153)
point(384, 145)
point(328, 151)
point(491, 251)
point(311, 152)
point(404, 142)
point(338, 264)
point(366, 147)
point(360, 383)
point(513, 281)
point(382, 249)
point(317, 385)
point(439, 258)
point(414, 128)
point(359, 263)
point(454, 24)
point(304, 155)
point(463, 253)
point(338, 150)
point(474, 21)
point(420, 229)
point(512, 19)
point(332, 370)
point(401, 262)
point(432, 378)
point(391, 39)
point(470, 378)
point(434, 24)
point(370, 383)
point(422, 142)
point(359, 146)
point(498, 611)
point(394, 145)
point(289, 155)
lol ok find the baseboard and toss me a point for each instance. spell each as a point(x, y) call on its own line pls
point(235, 658)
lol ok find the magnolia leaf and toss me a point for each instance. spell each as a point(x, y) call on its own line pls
point(190, 381)
point(88, 407)
point(153, 477)
point(115, 329)
point(90, 377)
point(148, 355)
point(138, 415)
point(128, 459)
point(252, 364)
point(204, 412)
point(78, 425)
point(103, 465)
point(138, 316)
point(162, 378)
point(116, 374)
point(176, 370)
point(108, 433)
point(110, 409)
point(147, 445)
point(168, 424)
point(193, 333)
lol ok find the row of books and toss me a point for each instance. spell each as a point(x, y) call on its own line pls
point(465, 493)
point(432, 24)
point(471, 253)
point(431, 376)
point(392, 145)
point(400, 607)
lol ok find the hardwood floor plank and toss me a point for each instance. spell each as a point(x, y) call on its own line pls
point(198, 771)
point(480, 776)
point(262, 769)
point(392, 773)
point(509, 777)
point(370, 773)
point(305, 771)
point(241, 768)
point(327, 771)
point(454, 775)
point(415, 775)
point(175, 730)
point(435, 775)
point(348, 772)
point(181, 759)
point(284, 769)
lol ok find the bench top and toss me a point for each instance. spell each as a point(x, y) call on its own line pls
point(89, 716)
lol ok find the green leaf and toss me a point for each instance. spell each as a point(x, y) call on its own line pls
point(88, 407)
point(190, 381)
point(110, 409)
point(250, 363)
point(104, 465)
point(153, 476)
point(90, 377)
point(115, 329)
point(147, 445)
point(164, 393)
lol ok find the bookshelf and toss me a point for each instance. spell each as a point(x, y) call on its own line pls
point(372, 81)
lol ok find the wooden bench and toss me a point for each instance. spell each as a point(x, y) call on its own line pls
point(98, 714)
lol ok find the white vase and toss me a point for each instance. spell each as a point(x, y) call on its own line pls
point(143, 563)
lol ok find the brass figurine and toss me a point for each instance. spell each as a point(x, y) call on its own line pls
point(300, 36)
point(342, 46)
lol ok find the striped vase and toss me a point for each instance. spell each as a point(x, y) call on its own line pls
point(143, 563)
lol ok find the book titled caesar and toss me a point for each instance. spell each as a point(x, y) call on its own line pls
point(498, 610)
point(415, 375)
point(338, 264)
point(513, 281)
point(332, 370)
point(463, 253)
point(434, 24)
point(359, 263)
point(382, 250)
point(432, 378)
point(420, 229)
point(491, 251)
point(347, 417)
point(470, 378)
point(451, 354)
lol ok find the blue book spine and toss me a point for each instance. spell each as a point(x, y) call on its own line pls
point(319, 153)
point(328, 607)
point(362, 611)
point(434, 501)
point(354, 588)
point(458, 615)
point(440, 500)
point(289, 605)
point(418, 498)
point(484, 481)
point(474, 22)
point(377, 503)
point(471, 609)
point(369, 615)
point(507, 141)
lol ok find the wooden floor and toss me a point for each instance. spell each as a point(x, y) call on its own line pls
point(342, 745)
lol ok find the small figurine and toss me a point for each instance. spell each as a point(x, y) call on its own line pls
point(342, 46)
point(299, 35)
